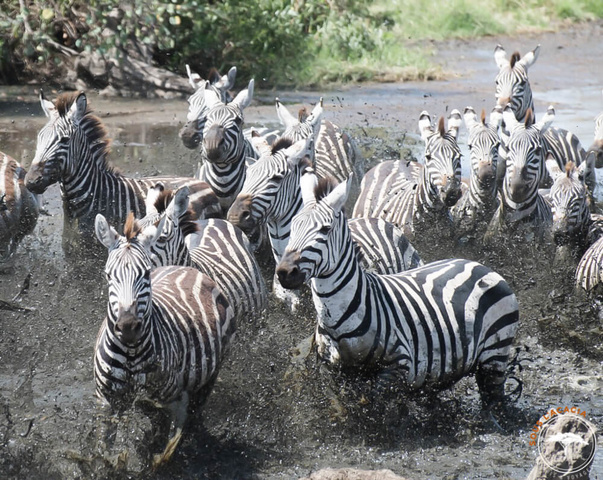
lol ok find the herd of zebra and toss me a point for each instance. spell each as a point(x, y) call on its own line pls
point(182, 269)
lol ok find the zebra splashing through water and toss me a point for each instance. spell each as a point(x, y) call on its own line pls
point(272, 196)
point(521, 203)
point(213, 246)
point(428, 327)
point(224, 150)
point(415, 196)
point(479, 201)
point(165, 334)
point(191, 133)
point(72, 149)
point(18, 206)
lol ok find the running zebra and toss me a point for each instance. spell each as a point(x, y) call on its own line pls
point(415, 196)
point(479, 201)
point(272, 196)
point(72, 149)
point(521, 203)
point(513, 87)
point(165, 334)
point(19, 207)
point(224, 150)
point(427, 327)
point(213, 246)
point(191, 133)
point(335, 154)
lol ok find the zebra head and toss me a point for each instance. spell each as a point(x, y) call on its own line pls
point(56, 148)
point(223, 140)
point(512, 85)
point(483, 143)
point(170, 209)
point(569, 198)
point(191, 133)
point(128, 273)
point(319, 234)
point(525, 161)
point(271, 185)
point(442, 172)
point(304, 126)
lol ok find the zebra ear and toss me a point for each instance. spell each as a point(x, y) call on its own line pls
point(546, 121)
point(260, 143)
point(529, 58)
point(193, 78)
point(78, 109)
point(307, 183)
point(48, 107)
point(179, 203)
point(509, 118)
point(500, 56)
point(470, 118)
point(150, 234)
point(454, 123)
point(496, 117)
point(339, 195)
point(552, 166)
point(243, 99)
point(227, 81)
point(315, 116)
point(152, 196)
point(105, 233)
point(425, 125)
point(211, 97)
point(284, 115)
point(296, 152)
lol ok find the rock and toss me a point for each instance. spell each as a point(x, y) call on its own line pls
point(566, 444)
point(352, 474)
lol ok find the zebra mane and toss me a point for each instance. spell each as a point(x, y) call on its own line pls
point(441, 127)
point(514, 59)
point(529, 121)
point(213, 76)
point(569, 168)
point(186, 222)
point(324, 186)
point(280, 144)
point(483, 117)
point(132, 227)
point(302, 115)
point(92, 126)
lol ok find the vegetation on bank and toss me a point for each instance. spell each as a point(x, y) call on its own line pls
point(279, 42)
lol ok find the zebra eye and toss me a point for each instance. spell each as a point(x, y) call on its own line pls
point(325, 229)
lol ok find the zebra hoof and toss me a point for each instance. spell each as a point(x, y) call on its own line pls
point(160, 459)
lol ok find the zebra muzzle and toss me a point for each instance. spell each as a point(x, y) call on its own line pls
point(189, 136)
point(128, 328)
point(288, 272)
point(239, 214)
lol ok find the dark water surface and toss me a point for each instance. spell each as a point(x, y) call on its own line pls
point(277, 413)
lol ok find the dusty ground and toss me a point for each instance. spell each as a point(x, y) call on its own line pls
point(275, 414)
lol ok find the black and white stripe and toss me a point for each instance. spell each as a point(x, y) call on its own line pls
point(479, 201)
point(18, 206)
point(213, 246)
point(72, 149)
point(165, 333)
point(191, 133)
point(224, 149)
point(429, 326)
point(410, 194)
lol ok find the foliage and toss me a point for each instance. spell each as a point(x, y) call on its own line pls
point(279, 42)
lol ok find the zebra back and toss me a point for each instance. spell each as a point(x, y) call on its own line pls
point(404, 323)
point(191, 133)
point(224, 149)
point(166, 330)
point(589, 272)
point(19, 207)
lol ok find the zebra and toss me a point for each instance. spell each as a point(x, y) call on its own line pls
point(191, 133)
point(213, 246)
point(596, 148)
point(72, 149)
point(335, 154)
point(513, 87)
point(589, 272)
point(479, 201)
point(224, 150)
point(272, 196)
point(165, 334)
point(415, 196)
point(19, 208)
point(427, 327)
point(521, 203)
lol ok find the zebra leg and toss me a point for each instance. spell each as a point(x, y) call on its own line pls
point(491, 384)
point(178, 413)
point(326, 347)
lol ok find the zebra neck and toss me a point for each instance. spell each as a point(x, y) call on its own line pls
point(426, 197)
point(483, 195)
point(520, 211)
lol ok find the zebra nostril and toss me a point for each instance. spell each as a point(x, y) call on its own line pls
point(245, 215)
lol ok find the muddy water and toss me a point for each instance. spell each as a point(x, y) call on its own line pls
point(276, 412)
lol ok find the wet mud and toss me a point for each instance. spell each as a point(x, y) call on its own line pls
point(277, 412)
